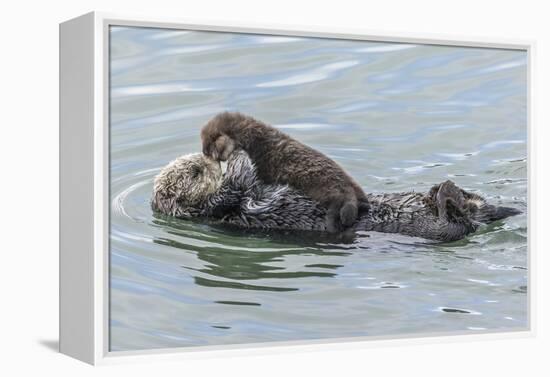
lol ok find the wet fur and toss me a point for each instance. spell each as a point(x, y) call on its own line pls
point(281, 159)
point(445, 213)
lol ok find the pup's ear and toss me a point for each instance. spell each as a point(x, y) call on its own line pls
point(223, 147)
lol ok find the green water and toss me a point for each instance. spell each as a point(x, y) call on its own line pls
point(397, 117)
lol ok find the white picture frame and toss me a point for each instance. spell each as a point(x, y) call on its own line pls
point(84, 199)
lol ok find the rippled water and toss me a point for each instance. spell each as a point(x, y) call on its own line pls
point(396, 116)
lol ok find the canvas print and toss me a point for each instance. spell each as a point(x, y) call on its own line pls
point(268, 188)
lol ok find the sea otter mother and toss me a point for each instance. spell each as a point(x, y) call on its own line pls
point(193, 186)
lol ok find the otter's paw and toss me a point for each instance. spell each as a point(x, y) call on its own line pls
point(333, 219)
point(348, 214)
point(340, 217)
point(220, 149)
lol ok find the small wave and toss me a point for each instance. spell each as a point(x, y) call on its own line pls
point(268, 39)
point(484, 282)
point(117, 204)
point(164, 88)
point(499, 143)
point(121, 64)
point(187, 49)
point(506, 181)
point(463, 103)
point(354, 107)
point(504, 66)
point(303, 126)
point(316, 74)
point(456, 126)
point(458, 156)
point(387, 180)
point(169, 116)
point(383, 285)
point(510, 160)
point(386, 48)
point(346, 149)
point(140, 288)
point(419, 168)
point(167, 51)
point(129, 237)
point(168, 34)
point(140, 173)
point(503, 267)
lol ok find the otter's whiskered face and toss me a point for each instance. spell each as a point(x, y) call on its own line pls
point(185, 182)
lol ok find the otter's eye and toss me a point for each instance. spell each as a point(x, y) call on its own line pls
point(195, 171)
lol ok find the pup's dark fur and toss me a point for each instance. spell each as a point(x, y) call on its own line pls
point(284, 160)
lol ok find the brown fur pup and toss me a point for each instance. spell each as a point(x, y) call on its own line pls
point(284, 160)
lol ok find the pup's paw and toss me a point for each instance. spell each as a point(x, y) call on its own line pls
point(220, 149)
point(348, 214)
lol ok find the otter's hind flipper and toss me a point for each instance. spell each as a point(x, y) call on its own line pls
point(455, 204)
point(504, 212)
point(487, 213)
point(449, 200)
point(481, 211)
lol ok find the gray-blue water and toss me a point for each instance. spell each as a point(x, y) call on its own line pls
point(397, 117)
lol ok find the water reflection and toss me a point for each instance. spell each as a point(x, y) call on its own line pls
point(235, 262)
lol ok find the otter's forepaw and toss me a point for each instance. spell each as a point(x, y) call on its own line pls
point(340, 217)
point(219, 149)
point(333, 224)
point(363, 207)
point(348, 214)
point(333, 220)
point(449, 200)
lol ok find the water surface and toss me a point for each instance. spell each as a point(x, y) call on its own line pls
point(397, 117)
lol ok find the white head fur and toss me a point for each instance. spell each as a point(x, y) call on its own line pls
point(185, 182)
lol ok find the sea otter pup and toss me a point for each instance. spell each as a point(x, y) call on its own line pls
point(281, 159)
point(193, 186)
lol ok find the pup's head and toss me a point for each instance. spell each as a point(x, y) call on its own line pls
point(185, 183)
